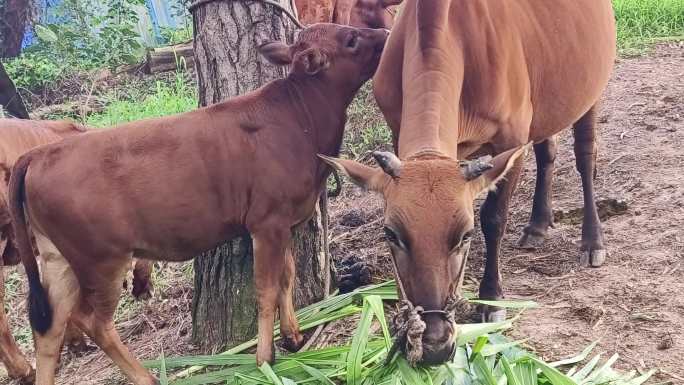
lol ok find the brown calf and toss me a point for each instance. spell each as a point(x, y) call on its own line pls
point(357, 13)
point(16, 138)
point(179, 185)
point(461, 79)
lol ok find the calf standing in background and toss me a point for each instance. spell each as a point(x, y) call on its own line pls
point(357, 13)
point(16, 138)
point(176, 186)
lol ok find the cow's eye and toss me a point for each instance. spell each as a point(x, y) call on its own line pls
point(392, 237)
point(467, 236)
point(352, 41)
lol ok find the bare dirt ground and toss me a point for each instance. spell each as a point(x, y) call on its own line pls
point(632, 305)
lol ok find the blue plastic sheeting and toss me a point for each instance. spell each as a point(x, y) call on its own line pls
point(161, 15)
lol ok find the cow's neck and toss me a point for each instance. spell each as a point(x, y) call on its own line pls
point(431, 109)
point(320, 110)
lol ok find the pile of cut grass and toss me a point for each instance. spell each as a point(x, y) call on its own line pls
point(483, 357)
point(643, 22)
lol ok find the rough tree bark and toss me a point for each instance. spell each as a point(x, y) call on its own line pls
point(14, 17)
point(10, 99)
point(227, 64)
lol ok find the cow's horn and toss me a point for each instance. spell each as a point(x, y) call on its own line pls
point(474, 168)
point(388, 162)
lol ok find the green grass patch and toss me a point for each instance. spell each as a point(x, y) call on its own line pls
point(643, 22)
point(166, 99)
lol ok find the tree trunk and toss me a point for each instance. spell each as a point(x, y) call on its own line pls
point(14, 17)
point(227, 34)
point(9, 97)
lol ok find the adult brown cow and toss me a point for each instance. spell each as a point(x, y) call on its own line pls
point(357, 13)
point(179, 185)
point(464, 78)
point(16, 138)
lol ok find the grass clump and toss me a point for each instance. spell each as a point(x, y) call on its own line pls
point(167, 99)
point(641, 22)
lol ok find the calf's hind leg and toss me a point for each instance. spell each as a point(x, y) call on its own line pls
point(95, 316)
point(63, 293)
point(17, 366)
point(593, 250)
point(542, 214)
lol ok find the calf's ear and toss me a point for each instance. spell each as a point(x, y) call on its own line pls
point(369, 178)
point(276, 52)
point(497, 169)
point(311, 61)
point(389, 3)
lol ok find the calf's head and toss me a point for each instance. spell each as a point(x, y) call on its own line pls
point(429, 221)
point(373, 13)
point(342, 56)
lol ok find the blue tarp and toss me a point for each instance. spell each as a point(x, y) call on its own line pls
point(160, 15)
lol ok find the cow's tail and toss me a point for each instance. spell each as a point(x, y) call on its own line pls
point(40, 312)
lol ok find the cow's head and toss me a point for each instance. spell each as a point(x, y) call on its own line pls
point(373, 13)
point(339, 55)
point(429, 221)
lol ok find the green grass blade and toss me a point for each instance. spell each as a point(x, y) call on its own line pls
point(469, 332)
point(163, 378)
point(510, 304)
point(409, 375)
point(483, 371)
point(552, 374)
point(358, 346)
point(376, 305)
point(578, 358)
point(267, 370)
point(582, 374)
point(317, 374)
point(511, 377)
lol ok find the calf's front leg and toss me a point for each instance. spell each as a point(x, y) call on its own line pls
point(289, 327)
point(270, 247)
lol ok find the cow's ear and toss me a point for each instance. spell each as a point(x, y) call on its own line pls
point(276, 52)
point(389, 3)
point(370, 178)
point(496, 170)
point(311, 61)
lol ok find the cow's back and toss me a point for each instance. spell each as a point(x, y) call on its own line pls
point(19, 136)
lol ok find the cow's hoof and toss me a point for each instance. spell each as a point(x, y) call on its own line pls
point(488, 313)
point(352, 273)
point(593, 258)
point(27, 376)
point(293, 343)
point(531, 241)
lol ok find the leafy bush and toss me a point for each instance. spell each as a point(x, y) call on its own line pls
point(34, 70)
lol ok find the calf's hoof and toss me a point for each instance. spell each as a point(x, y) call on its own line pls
point(265, 356)
point(293, 343)
point(25, 376)
point(531, 240)
point(488, 313)
point(593, 257)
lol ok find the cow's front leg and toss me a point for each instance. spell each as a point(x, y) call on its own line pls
point(270, 247)
point(289, 327)
point(493, 218)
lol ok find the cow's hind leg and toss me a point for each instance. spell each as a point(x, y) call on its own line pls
point(15, 362)
point(493, 219)
point(95, 316)
point(63, 293)
point(289, 327)
point(542, 213)
point(593, 250)
point(270, 245)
